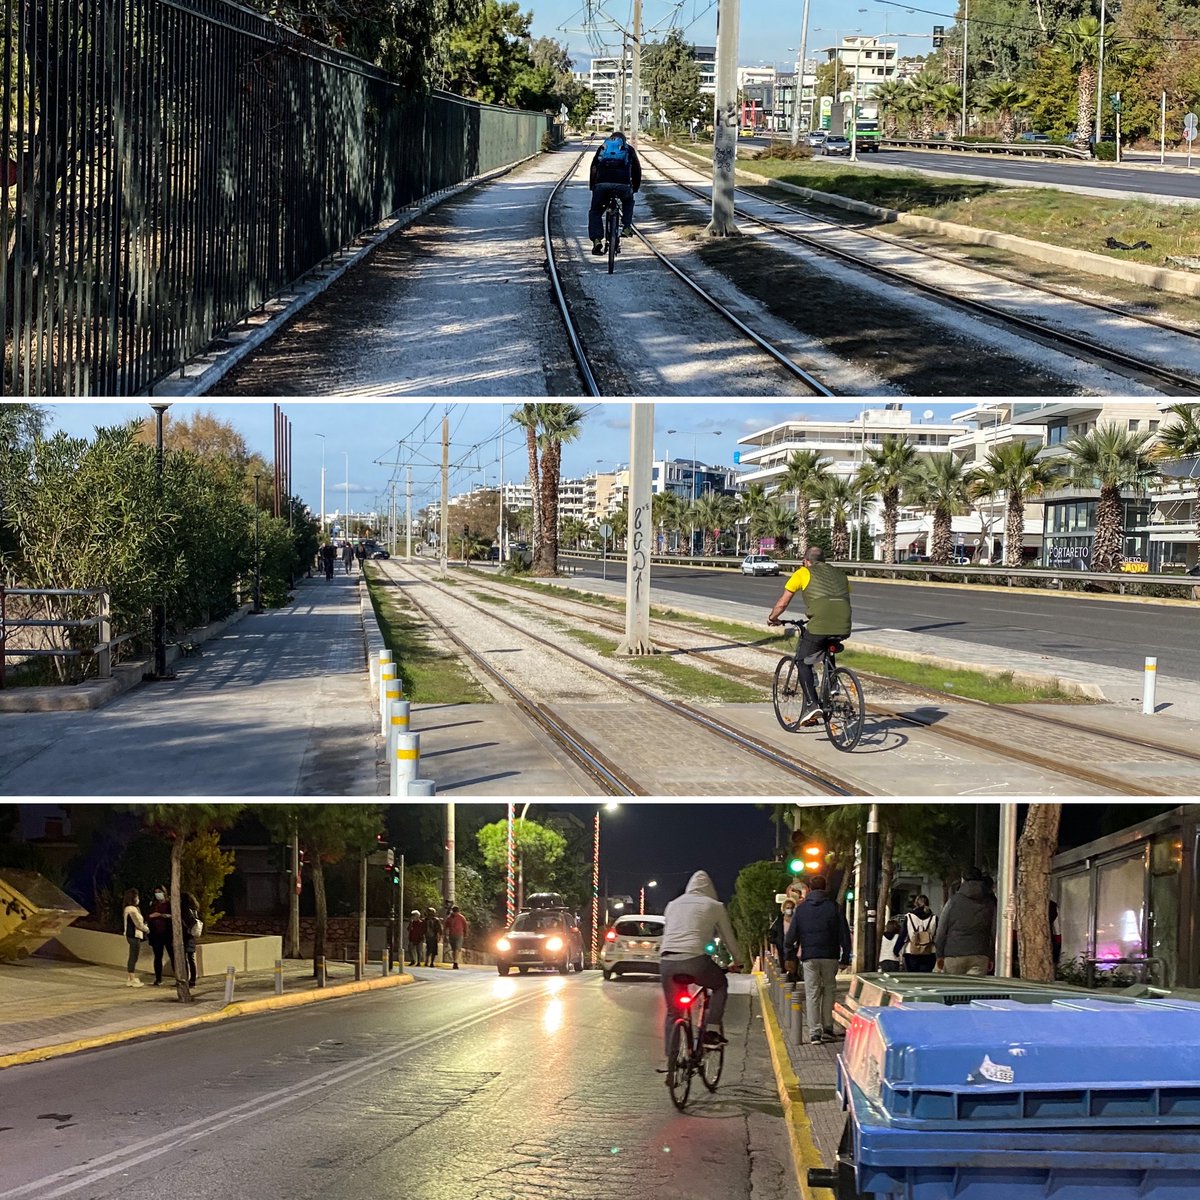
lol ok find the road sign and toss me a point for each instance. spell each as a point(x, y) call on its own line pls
point(1190, 121)
point(662, 112)
point(1114, 102)
point(563, 109)
point(382, 858)
point(606, 530)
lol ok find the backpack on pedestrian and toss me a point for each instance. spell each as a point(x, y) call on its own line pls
point(920, 937)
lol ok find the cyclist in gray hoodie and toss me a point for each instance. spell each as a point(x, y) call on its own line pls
point(691, 920)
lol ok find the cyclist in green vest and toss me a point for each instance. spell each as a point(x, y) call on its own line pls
point(827, 601)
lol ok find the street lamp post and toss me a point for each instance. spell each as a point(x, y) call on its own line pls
point(642, 904)
point(257, 557)
point(160, 608)
point(346, 456)
point(322, 437)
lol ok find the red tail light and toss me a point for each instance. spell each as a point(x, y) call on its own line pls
point(684, 999)
point(611, 936)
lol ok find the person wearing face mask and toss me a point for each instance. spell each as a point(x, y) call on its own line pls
point(778, 931)
point(159, 920)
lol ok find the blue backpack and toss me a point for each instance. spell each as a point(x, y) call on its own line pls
point(614, 152)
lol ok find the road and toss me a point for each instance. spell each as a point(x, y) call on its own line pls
point(462, 1086)
point(1106, 632)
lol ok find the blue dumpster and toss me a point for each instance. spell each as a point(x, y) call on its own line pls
point(1075, 1099)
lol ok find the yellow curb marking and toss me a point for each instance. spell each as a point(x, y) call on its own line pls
point(800, 1136)
point(240, 1009)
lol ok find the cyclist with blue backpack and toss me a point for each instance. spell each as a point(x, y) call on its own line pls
point(616, 169)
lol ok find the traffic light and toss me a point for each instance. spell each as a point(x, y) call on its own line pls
point(796, 856)
point(807, 856)
point(939, 36)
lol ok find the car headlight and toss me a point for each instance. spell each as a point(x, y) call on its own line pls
point(504, 945)
point(553, 944)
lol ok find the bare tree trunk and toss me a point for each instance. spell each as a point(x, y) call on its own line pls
point(318, 878)
point(891, 515)
point(1036, 847)
point(182, 991)
point(887, 872)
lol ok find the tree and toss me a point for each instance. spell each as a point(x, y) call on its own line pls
point(711, 513)
point(836, 502)
point(666, 510)
point(777, 521)
point(887, 471)
point(1180, 438)
point(1035, 848)
point(671, 75)
point(1015, 470)
point(893, 97)
point(1112, 459)
point(1079, 43)
point(538, 849)
point(527, 417)
point(557, 423)
point(832, 78)
point(805, 473)
point(204, 869)
point(925, 98)
point(1003, 97)
point(750, 503)
point(947, 104)
point(942, 487)
point(752, 906)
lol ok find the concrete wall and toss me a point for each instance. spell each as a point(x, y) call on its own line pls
point(213, 953)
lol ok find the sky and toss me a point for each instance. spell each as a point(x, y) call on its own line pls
point(367, 445)
point(769, 31)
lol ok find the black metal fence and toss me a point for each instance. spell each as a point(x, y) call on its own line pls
point(166, 166)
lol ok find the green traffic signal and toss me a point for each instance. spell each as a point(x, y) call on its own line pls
point(796, 866)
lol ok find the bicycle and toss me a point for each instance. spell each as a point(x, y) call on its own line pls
point(686, 1054)
point(839, 693)
point(612, 229)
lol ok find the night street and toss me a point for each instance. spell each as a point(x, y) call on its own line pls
point(461, 1086)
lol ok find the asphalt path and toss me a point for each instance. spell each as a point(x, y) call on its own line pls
point(462, 1086)
point(1107, 632)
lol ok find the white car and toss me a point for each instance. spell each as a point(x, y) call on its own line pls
point(759, 564)
point(633, 943)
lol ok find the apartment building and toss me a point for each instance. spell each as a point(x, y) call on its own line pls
point(611, 78)
point(869, 61)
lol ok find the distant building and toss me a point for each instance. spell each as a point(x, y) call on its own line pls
point(611, 78)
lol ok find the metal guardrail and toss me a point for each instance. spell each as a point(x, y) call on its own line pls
point(101, 622)
point(1026, 149)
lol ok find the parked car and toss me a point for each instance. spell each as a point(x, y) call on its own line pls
point(1031, 136)
point(836, 144)
point(632, 944)
point(746, 131)
point(916, 558)
point(541, 937)
point(759, 564)
point(961, 560)
point(379, 552)
point(815, 137)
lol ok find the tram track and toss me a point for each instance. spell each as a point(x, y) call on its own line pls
point(574, 333)
point(807, 779)
point(1109, 357)
point(1011, 718)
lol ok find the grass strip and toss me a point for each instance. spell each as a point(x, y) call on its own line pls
point(428, 674)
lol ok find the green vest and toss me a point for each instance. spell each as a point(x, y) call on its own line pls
point(827, 599)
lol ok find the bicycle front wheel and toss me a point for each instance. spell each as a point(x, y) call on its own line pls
point(613, 230)
point(847, 709)
point(679, 1064)
point(711, 1066)
point(787, 694)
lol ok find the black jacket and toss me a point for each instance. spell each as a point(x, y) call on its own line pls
point(603, 173)
point(819, 929)
point(968, 923)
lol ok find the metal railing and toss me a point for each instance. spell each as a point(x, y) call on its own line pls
point(101, 621)
point(167, 166)
point(1028, 149)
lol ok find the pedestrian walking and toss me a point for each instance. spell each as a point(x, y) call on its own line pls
point(433, 935)
point(159, 919)
point(136, 932)
point(360, 553)
point(920, 929)
point(329, 557)
point(891, 947)
point(821, 938)
point(777, 934)
point(416, 938)
point(966, 932)
point(193, 927)
point(348, 558)
point(456, 931)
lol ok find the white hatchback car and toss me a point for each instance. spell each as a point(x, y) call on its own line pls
point(633, 943)
point(759, 564)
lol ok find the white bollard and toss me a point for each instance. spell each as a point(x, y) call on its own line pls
point(398, 716)
point(1148, 685)
point(405, 759)
point(422, 787)
point(376, 665)
point(390, 696)
point(387, 674)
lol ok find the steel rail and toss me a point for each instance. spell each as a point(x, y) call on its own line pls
point(1046, 335)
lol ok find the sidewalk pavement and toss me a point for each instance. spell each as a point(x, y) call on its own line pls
point(277, 705)
point(82, 1005)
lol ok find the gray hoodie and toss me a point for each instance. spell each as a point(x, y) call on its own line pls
point(693, 918)
point(967, 924)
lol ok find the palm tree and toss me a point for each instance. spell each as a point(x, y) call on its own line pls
point(527, 417)
point(1015, 470)
point(574, 531)
point(711, 513)
point(1112, 459)
point(806, 469)
point(1003, 97)
point(1080, 42)
point(889, 469)
point(750, 503)
point(942, 487)
point(665, 508)
point(1181, 439)
point(924, 98)
point(947, 104)
point(557, 423)
point(892, 98)
point(777, 521)
point(620, 523)
point(836, 503)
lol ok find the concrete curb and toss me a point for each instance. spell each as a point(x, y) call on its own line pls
point(95, 693)
point(242, 1008)
point(208, 369)
point(800, 1136)
point(1162, 278)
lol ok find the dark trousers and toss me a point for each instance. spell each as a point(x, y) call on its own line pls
point(707, 974)
point(158, 945)
point(810, 644)
point(923, 964)
point(431, 945)
point(600, 195)
point(329, 568)
point(190, 955)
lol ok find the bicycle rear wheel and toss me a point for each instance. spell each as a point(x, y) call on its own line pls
point(847, 709)
point(787, 694)
point(679, 1064)
point(612, 229)
point(711, 1066)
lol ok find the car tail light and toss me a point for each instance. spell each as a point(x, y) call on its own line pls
point(611, 936)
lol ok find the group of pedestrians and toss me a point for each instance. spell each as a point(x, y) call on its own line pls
point(426, 932)
point(154, 927)
point(329, 554)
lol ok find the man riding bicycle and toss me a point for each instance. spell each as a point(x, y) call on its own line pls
point(616, 170)
point(690, 922)
point(827, 601)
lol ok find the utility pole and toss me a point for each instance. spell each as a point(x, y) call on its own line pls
point(966, 24)
point(725, 122)
point(361, 964)
point(620, 108)
point(444, 520)
point(1006, 879)
point(870, 890)
point(294, 898)
point(636, 102)
point(798, 91)
point(500, 493)
point(448, 881)
point(639, 539)
point(1099, 92)
point(408, 514)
